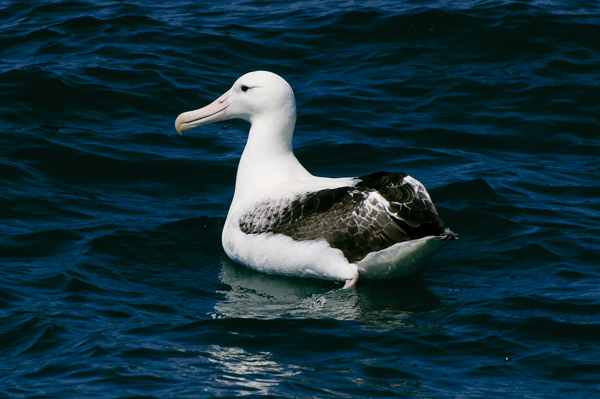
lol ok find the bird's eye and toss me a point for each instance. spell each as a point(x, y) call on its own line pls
point(244, 88)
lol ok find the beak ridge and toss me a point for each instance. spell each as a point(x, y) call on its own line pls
point(213, 112)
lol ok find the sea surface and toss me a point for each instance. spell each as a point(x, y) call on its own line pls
point(113, 280)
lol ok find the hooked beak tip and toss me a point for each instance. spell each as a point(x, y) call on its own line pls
point(180, 125)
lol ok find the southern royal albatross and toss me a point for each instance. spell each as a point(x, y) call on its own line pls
point(283, 220)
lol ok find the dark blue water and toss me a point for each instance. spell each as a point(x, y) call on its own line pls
point(113, 282)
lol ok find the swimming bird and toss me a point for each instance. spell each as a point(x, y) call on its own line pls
point(283, 220)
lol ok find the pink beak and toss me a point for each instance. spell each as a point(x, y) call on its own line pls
point(215, 111)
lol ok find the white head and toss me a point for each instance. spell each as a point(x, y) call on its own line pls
point(253, 97)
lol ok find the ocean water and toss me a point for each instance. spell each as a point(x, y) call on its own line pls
point(113, 281)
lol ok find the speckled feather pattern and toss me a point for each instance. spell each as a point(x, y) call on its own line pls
point(380, 210)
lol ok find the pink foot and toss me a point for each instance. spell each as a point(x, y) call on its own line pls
point(351, 282)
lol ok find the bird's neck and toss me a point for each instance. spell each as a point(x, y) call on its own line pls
point(268, 158)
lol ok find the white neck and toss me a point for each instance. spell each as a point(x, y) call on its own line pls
point(268, 158)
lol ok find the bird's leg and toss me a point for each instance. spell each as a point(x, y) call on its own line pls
point(351, 282)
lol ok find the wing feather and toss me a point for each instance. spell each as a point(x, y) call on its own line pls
point(380, 210)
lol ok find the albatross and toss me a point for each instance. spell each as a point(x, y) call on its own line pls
point(284, 220)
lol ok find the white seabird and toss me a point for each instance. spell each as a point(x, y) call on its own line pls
point(283, 220)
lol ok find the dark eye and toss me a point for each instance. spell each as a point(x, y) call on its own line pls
point(244, 88)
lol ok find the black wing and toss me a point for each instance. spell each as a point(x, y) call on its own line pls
point(381, 210)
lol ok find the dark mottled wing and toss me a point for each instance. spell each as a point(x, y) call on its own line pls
point(380, 210)
point(410, 204)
